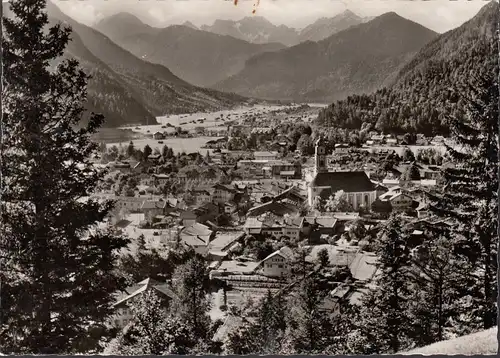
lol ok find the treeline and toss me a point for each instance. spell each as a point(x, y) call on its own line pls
point(118, 106)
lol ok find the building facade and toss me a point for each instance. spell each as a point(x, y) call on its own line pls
point(359, 189)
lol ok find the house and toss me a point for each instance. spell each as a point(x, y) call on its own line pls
point(197, 236)
point(130, 203)
point(230, 208)
point(431, 172)
point(378, 138)
point(140, 167)
point(205, 212)
point(158, 135)
point(265, 155)
point(438, 140)
point(201, 214)
point(380, 189)
point(291, 195)
point(160, 179)
point(273, 207)
point(277, 264)
point(182, 177)
point(223, 193)
point(292, 227)
point(422, 210)
point(123, 314)
point(253, 226)
point(153, 208)
point(285, 170)
point(121, 167)
point(201, 196)
point(154, 157)
point(341, 148)
point(323, 225)
point(399, 201)
point(391, 141)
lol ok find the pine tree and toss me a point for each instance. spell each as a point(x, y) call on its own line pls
point(309, 327)
point(57, 265)
point(265, 334)
point(411, 173)
point(439, 280)
point(147, 151)
point(191, 285)
point(470, 195)
point(384, 314)
point(152, 330)
point(130, 150)
point(164, 151)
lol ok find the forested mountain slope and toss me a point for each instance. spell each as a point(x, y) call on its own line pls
point(429, 88)
point(356, 60)
point(126, 89)
point(199, 57)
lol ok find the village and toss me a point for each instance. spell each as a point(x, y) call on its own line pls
point(250, 213)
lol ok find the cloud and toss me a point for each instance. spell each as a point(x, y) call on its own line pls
point(438, 15)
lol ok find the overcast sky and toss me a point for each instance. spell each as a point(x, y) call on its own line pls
point(438, 15)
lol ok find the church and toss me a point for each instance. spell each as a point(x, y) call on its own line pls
point(360, 190)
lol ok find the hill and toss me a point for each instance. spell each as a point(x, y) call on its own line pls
point(326, 27)
point(421, 96)
point(254, 29)
point(356, 60)
point(201, 58)
point(126, 89)
point(480, 343)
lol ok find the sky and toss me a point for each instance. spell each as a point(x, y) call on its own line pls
point(438, 15)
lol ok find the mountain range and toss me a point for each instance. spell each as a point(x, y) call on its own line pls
point(431, 87)
point(257, 29)
point(129, 90)
point(199, 57)
point(359, 59)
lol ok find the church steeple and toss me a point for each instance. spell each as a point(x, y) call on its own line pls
point(320, 157)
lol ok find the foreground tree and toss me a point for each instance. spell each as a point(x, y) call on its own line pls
point(264, 335)
point(470, 198)
point(384, 320)
point(152, 331)
point(57, 266)
point(191, 285)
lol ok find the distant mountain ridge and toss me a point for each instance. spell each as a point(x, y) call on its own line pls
point(199, 57)
point(428, 88)
point(126, 89)
point(326, 27)
point(358, 59)
point(257, 29)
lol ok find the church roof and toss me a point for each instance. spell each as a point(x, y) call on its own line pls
point(346, 181)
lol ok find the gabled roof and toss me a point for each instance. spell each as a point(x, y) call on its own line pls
point(197, 229)
point(264, 154)
point(322, 221)
point(349, 182)
point(134, 291)
point(224, 187)
point(276, 208)
point(284, 252)
point(153, 204)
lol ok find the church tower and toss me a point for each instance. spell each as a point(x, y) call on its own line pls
point(320, 157)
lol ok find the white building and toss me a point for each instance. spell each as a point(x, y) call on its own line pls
point(360, 190)
point(277, 264)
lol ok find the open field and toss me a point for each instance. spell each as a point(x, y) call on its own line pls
point(211, 120)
